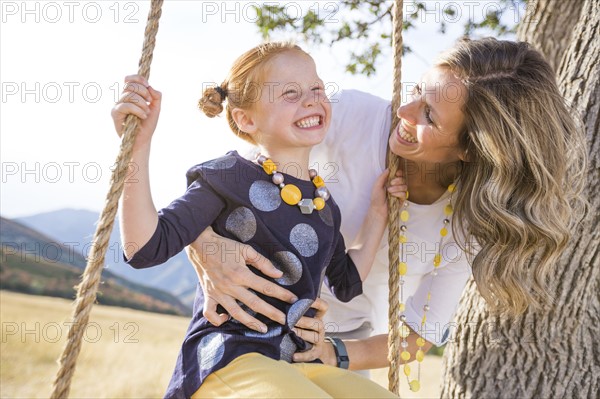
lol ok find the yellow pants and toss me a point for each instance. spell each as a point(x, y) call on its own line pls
point(256, 376)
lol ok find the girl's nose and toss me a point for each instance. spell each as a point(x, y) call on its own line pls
point(310, 99)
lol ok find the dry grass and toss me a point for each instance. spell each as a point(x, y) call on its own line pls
point(117, 359)
point(126, 353)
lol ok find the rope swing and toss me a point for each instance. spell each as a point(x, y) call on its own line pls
point(87, 289)
point(394, 213)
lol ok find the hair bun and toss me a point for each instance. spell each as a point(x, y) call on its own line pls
point(211, 102)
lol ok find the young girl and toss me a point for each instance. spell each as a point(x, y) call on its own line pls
point(276, 100)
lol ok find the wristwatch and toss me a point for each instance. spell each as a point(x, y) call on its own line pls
point(341, 354)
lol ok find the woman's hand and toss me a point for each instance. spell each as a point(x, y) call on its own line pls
point(312, 330)
point(141, 100)
point(222, 269)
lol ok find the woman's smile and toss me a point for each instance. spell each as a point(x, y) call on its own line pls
point(403, 134)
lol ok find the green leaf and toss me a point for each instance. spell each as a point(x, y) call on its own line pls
point(366, 24)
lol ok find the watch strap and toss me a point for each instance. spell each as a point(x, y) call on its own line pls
point(341, 354)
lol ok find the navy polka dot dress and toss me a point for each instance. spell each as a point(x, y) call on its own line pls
point(237, 198)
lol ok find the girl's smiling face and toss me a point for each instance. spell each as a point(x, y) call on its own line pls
point(292, 110)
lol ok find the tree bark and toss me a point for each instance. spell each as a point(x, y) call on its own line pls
point(553, 354)
point(548, 26)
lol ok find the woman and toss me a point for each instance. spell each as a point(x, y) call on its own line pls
point(488, 118)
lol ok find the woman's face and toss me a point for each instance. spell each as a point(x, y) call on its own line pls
point(431, 120)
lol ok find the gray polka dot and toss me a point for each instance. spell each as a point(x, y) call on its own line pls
point(241, 223)
point(271, 332)
point(326, 215)
point(264, 196)
point(297, 310)
point(287, 348)
point(225, 162)
point(304, 238)
point(210, 350)
point(290, 265)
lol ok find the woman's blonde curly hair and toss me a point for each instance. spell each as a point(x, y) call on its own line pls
point(519, 194)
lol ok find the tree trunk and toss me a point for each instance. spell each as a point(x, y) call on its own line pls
point(547, 25)
point(554, 354)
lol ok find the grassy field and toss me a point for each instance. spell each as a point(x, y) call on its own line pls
point(126, 353)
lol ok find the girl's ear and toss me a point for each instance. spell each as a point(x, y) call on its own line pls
point(244, 119)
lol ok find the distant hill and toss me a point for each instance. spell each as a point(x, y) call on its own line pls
point(75, 228)
point(35, 263)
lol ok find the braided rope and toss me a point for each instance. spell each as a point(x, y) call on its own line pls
point(86, 290)
point(394, 214)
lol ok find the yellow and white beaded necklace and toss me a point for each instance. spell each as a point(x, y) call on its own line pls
point(415, 384)
point(291, 194)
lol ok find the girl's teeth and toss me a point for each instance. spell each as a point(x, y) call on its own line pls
point(308, 122)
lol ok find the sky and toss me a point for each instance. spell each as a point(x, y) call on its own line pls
point(62, 65)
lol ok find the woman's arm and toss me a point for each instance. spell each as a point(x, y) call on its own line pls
point(138, 217)
point(364, 354)
point(371, 353)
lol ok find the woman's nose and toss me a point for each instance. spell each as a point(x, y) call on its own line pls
point(407, 112)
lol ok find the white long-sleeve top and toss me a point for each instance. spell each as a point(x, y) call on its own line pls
point(349, 160)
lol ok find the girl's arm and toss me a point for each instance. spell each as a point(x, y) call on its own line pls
point(138, 216)
point(370, 235)
point(349, 268)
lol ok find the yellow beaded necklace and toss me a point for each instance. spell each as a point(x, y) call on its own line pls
point(291, 194)
point(415, 384)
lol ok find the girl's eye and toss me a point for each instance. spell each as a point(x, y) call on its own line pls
point(318, 92)
point(290, 95)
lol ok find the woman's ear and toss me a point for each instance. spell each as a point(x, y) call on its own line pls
point(244, 119)
point(463, 148)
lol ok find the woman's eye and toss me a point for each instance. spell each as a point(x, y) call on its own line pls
point(426, 109)
point(415, 93)
point(427, 113)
